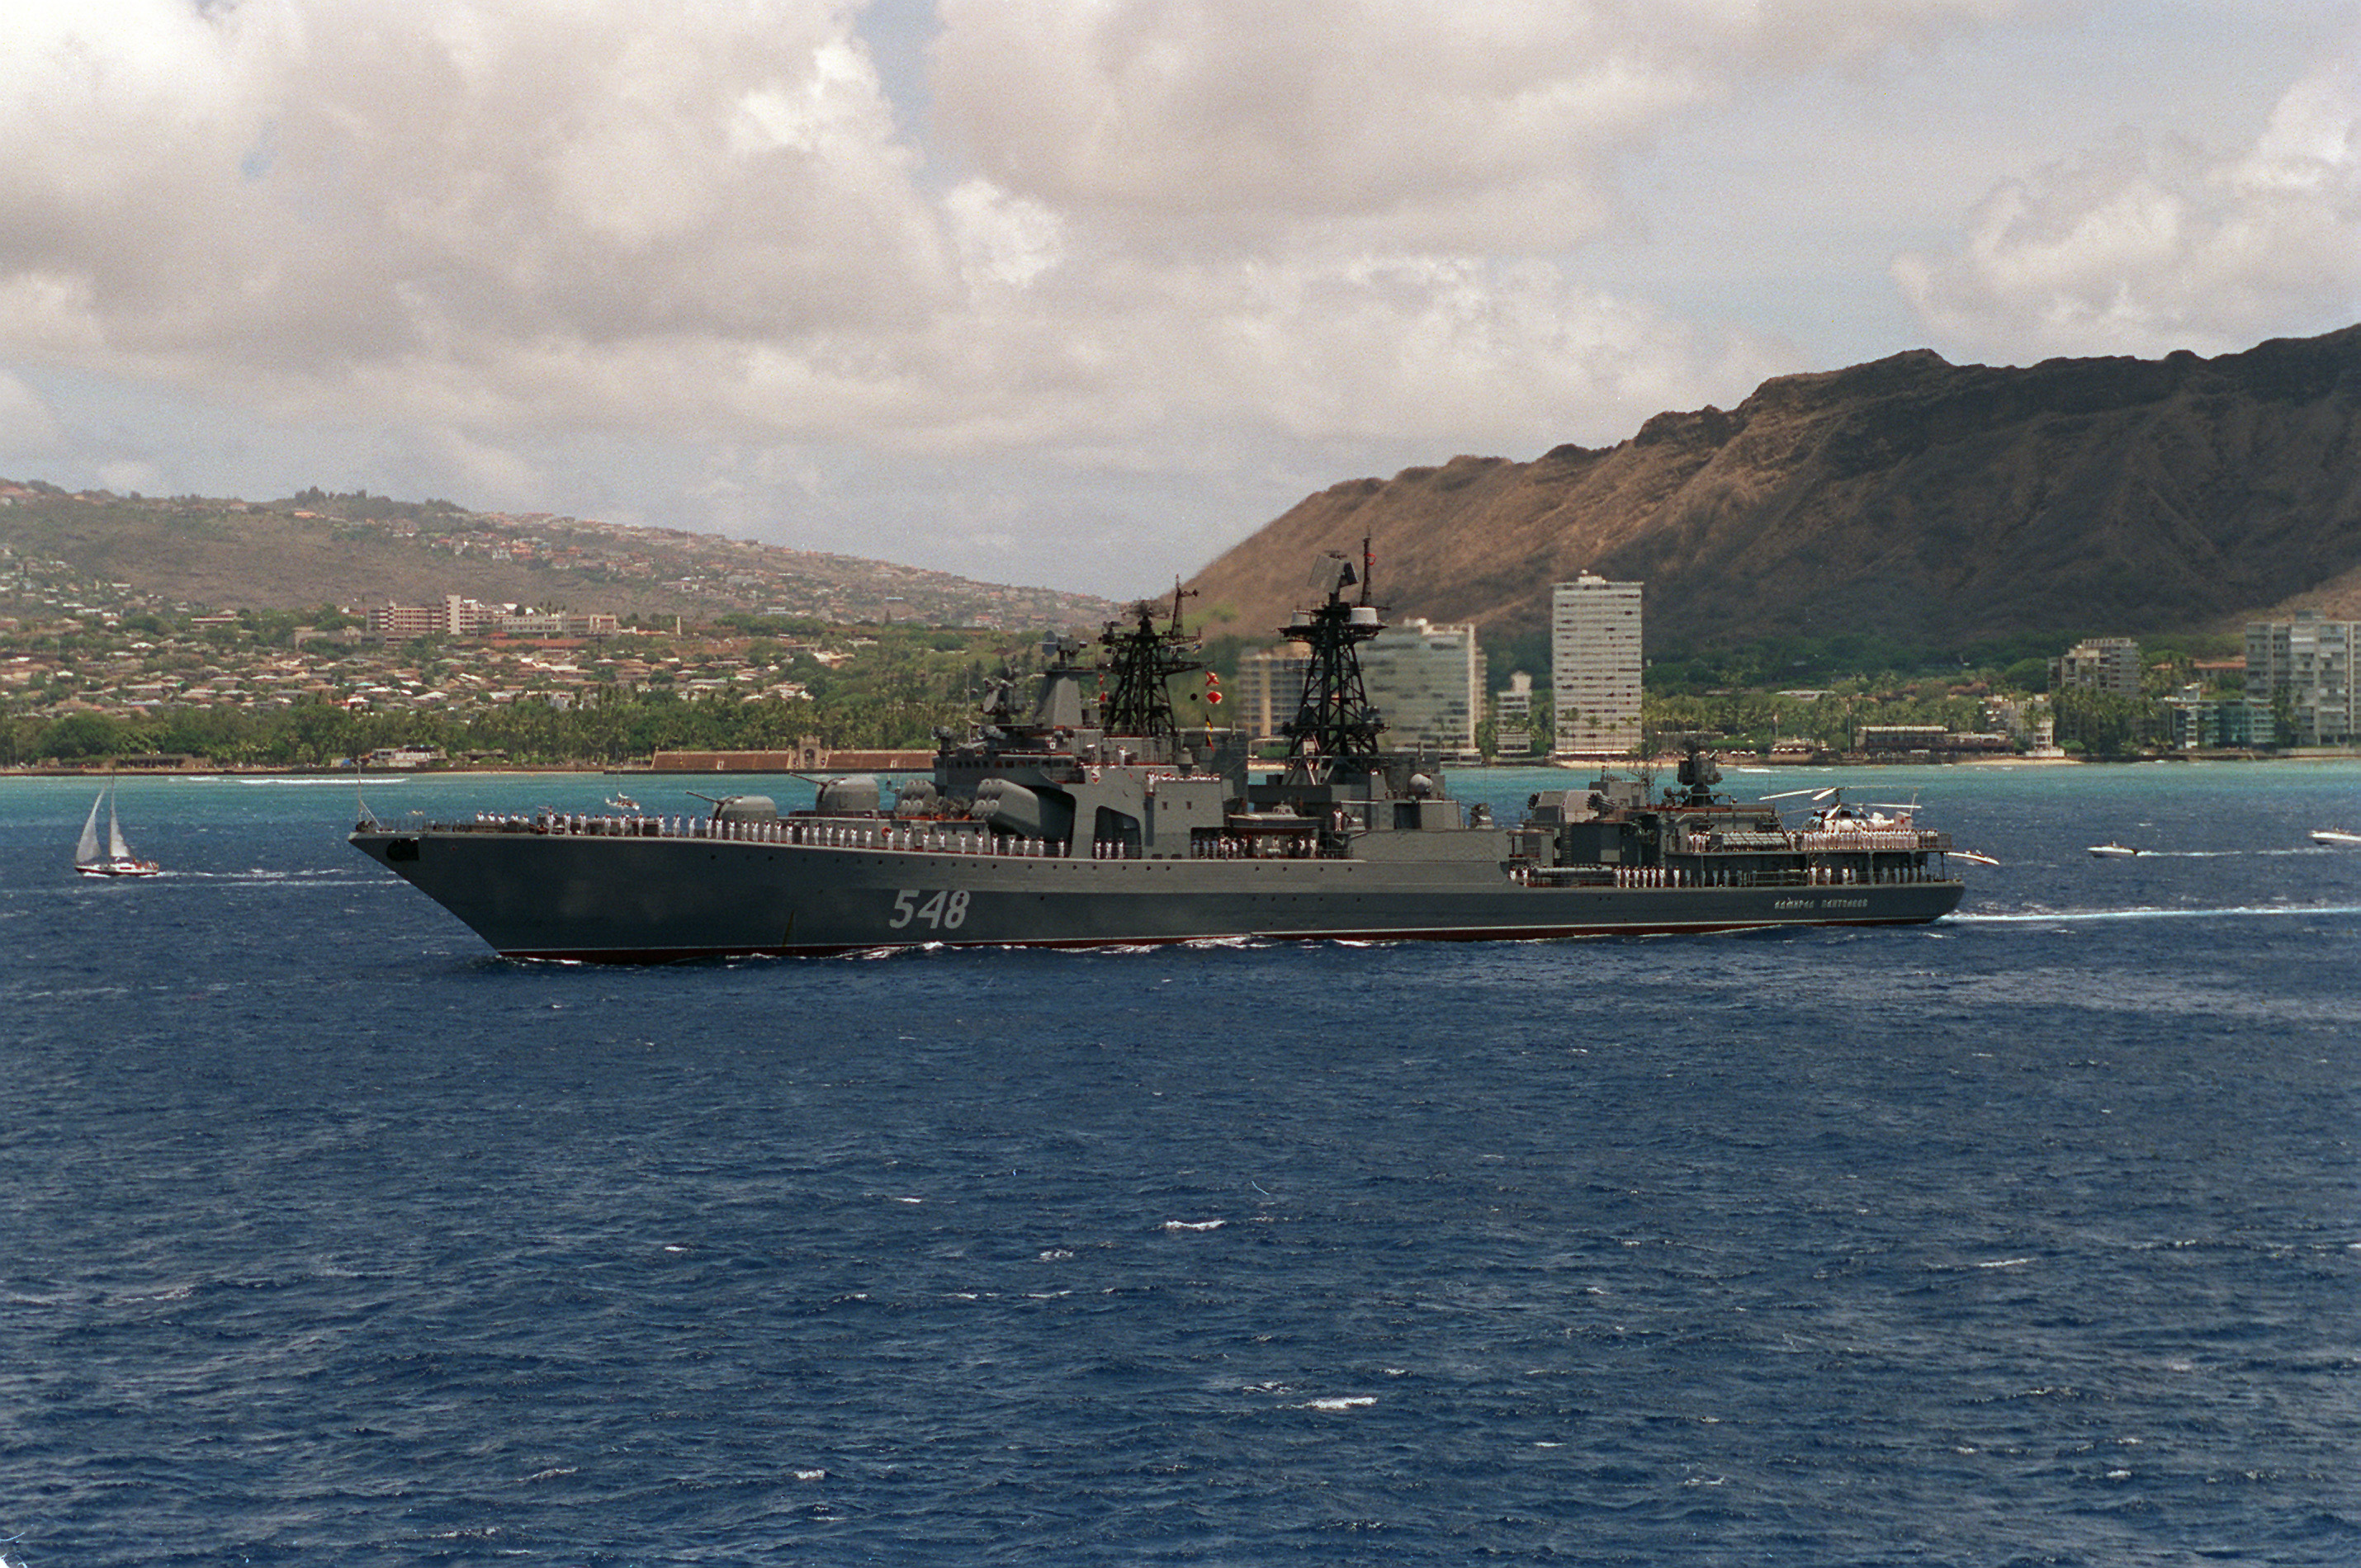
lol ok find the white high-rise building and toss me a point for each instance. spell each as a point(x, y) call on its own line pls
point(1513, 719)
point(1427, 684)
point(2111, 664)
point(2314, 662)
point(1595, 667)
point(1270, 684)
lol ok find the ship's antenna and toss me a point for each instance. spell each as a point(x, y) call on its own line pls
point(1368, 566)
point(1178, 593)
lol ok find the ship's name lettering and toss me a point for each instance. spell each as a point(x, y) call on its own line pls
point(939, 912)
point(1820, 904)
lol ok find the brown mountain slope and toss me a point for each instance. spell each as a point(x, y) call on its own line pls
point(1932, 503)
point(363, 550)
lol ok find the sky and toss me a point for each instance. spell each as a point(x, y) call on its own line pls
point(1080, 293)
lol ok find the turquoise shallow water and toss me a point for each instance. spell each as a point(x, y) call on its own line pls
point(2029, 1237)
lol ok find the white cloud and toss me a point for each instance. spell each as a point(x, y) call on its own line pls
point(1002, 240)
point(28, 427)
point(489, 476)
point(692, 266)
point(1432, 348)
point(1401, 122)
point(313, 194)
point(130, 477)
point(2150, 243)
point(554, 215)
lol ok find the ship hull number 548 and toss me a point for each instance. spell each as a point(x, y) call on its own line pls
point(935, 911)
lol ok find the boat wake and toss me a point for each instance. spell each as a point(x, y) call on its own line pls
point(279, 878)
point(2232, 911)
point(2118, 852)
point(2226, 855)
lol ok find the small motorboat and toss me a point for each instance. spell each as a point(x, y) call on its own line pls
point(2114, 851)
point(2336, 838)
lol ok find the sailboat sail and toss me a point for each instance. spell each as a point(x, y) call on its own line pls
point(86, 852)
point(117, 850)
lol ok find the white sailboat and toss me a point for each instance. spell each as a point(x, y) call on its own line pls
point(118, 860)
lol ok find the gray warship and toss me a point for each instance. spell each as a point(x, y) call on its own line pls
point(1091, 818)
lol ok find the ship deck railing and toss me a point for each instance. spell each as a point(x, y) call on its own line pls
point(1820, 841)
point(882, 833)
point(1699, 873)
point(1860, 841)
point(811, 832)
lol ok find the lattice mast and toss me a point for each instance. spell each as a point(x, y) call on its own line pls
point(1333, 718)
point(1140, 661)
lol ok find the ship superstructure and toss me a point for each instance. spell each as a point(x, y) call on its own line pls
point(1091, 816)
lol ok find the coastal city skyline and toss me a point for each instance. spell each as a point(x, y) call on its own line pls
point(79, 646)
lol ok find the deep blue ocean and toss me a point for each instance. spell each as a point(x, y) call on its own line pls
point(2029, 1237)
